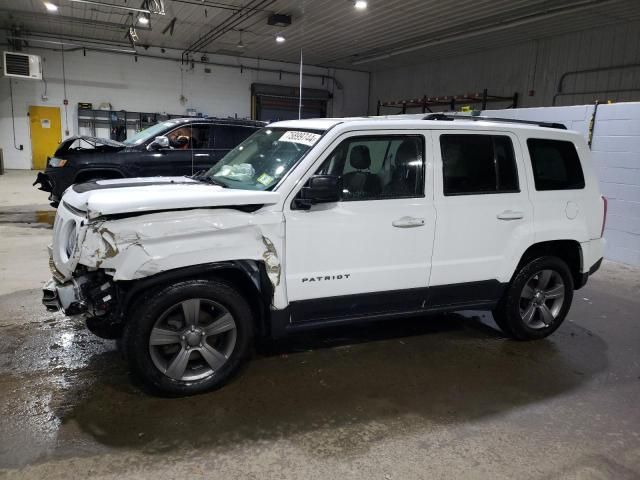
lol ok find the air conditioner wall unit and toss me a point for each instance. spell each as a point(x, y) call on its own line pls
point(22, 65)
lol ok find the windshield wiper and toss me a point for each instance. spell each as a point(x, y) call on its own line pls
point(207, 179)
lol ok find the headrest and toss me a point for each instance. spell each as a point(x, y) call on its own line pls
point(360, 158)
point(407, 152)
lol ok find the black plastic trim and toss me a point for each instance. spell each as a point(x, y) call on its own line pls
point(581, 281)
point(94, 185)
point(250, 208)
point(347, 308)
point(595, 267)
point(476, 118)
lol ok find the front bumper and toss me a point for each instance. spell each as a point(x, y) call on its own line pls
point(66, 296)
point(90, 295)
point(47, 184)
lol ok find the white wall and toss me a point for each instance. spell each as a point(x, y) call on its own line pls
point(616, 157)
point(153, 85)
point(531, 65)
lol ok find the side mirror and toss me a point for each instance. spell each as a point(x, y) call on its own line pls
point(158, 143)
point(320, 189)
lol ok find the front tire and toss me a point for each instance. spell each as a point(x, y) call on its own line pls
point(189, 338)
point(537, 300)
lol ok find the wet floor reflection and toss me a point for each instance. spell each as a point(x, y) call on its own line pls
point(28, 215)
point(333, 392)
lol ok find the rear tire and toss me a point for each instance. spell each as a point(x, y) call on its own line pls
point(188, 338)
point(537, 300)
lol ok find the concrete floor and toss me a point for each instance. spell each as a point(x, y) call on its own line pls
point(439, 397)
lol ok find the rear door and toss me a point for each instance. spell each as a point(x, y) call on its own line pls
point(227, 137)
point(484, 214)
point(202, 151)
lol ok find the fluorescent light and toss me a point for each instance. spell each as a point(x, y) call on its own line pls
point(280, 39)
point(143, 20)
point(51, 7)
point(360, 4)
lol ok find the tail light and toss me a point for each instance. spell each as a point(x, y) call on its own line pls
point(604, 216)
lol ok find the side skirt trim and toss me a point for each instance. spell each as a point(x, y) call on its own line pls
point(346, 309)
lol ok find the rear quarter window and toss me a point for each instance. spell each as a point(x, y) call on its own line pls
point(556, 164)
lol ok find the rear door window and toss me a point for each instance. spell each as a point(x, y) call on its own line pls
point(227, 136)
point(224, 137)
point(556, 164)
point(475, 164)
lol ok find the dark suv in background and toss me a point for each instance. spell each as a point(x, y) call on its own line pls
point(181, 146)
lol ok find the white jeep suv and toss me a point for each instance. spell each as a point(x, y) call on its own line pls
point(312, 223)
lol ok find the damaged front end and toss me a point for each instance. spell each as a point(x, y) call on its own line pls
point(45, 182)
point(89, 295)
point(75, 289)
point(98, 261)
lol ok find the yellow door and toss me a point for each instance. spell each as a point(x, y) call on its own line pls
point(46, 131)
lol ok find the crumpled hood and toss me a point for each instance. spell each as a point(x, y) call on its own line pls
point(97, 142)
point(150, 194)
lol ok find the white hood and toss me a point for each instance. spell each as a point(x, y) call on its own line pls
point(132, 195)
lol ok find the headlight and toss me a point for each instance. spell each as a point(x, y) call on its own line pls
point(70, 244)
point(57, 162)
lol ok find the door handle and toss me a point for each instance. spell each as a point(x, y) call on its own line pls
point(408, 222)
point(510, 215)
point(201, 155)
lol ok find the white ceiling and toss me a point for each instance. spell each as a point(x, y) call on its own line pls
point(330, 32)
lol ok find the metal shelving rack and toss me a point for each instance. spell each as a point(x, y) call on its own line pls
point(425, 103)
point(119, 121)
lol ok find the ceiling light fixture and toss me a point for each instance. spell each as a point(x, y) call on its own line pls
point(360, 5)
point(280, 39)
point(240, 44)
point(133, 35)
point(143, 20)
point(51, 7)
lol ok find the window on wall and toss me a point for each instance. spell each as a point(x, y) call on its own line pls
point(378, 167)
point(556, 165)
point(474, 164)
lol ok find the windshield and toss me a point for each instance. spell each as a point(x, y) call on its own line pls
point(149, 133)
point(263, 159)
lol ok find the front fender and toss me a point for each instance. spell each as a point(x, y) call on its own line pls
point(144, 245)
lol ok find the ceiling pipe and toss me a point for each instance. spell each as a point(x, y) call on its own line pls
point(234, 20)
point(64, 19)
point(77, 45)
point(516, 22)
point(219, 5)
point(130, 52)
point(122, 7)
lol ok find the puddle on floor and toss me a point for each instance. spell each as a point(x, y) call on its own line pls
point(34, 216)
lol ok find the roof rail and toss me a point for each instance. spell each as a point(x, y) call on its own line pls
point(442, 116)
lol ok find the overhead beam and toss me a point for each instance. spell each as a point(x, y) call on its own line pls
point(111, 5)
point(47, 18)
